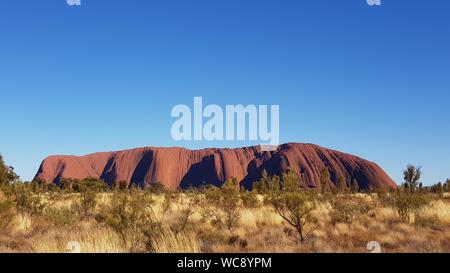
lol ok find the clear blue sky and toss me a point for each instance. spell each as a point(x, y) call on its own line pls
point(372, 81)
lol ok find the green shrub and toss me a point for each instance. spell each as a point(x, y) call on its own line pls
point(221, 205)
point(293, 205)
point(354, 187)
point(29, 202)
point(95, 184)
point(342, 185)
point(432, 222)
point(250, 199)
point(325, 181)
point(132, 218)
point(3, 172)
point(345, 210)
point(7, 174)
point(406, 202)
point(86, 204)
point(67, 185)
point(7, 214)
point(61, 216)
point(192, 201)
point(121, 185)
point(90, 184)
point(40, 186)
point(155, 187)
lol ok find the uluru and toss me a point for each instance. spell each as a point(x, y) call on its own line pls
point(176, 167)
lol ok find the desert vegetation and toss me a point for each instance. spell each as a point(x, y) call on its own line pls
point(277, 216)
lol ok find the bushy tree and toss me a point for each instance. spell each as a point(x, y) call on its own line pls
point(7, 214)
point(412, 176)
point(92, 184)
point(3, 172)
point(342, 185)
point(39, 185)
point(86, 203)
point(28, 201)
point(325, 181)
point(190, 199)
point(67, 185)
point(130, 215)
point(82, 185)
point(446, 185)
point(121, 185)
point(439, 188)
point(61, 216)
point(405, 202)
point(293, 205)
point(7, 174)
point(262, 186)
point(346, 210)
point(155, 187)
point(250, 199)
point(355, 186)
point(221, 205)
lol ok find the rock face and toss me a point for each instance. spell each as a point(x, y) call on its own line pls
point(180, 167)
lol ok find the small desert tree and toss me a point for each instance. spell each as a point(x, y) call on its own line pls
point(221, 205)
point(93, 184)
point(27, 201)
point(446, 185)
point(130, 215)
point(250, 199)
point(355, 186)
point(121, 185)
point(229, 202)
point(342, 185)
point(88, 190)
point(439, 189)
point(420, 187)
point(405, 202)
point(262, 185)
point(7, 174)
point(86, 204)
point(293, 205)
point(412, 176)
point(346, 210)
point(325, 182)
point(3, 172)
point(67, 184)
point(7, 214)
point(190, 199)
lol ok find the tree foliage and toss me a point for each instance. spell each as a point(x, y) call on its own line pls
point(293, 205)
point(221, 205)
point(406, 202)
point(7, 174)
point(412, 176)
point(355, 186)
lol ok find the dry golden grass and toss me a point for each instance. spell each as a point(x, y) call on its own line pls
point(170, 242)
point(258, 230)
